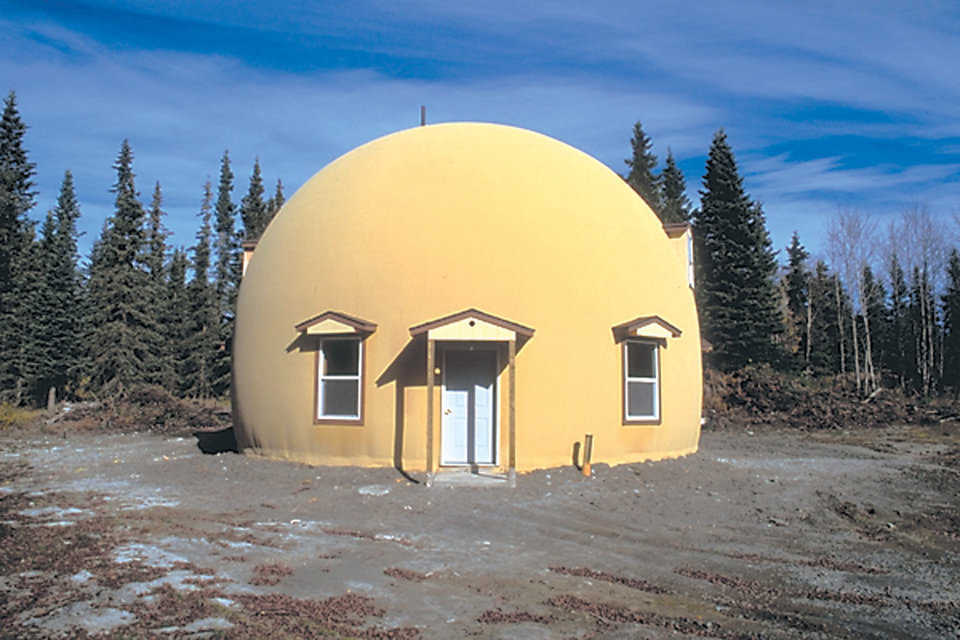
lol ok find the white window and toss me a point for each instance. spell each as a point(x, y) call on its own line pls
point(641, 385)
point(339, 380)
point(690, 278)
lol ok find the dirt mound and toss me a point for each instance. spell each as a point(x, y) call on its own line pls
point(150, 409)
point(759, 396)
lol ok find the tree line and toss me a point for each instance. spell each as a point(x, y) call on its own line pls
point(142, 312)
point(139, 311)
point(884, 310)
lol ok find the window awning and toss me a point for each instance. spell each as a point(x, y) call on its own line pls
point(646, 327)
point(335, 323)
point(472, 324)
point(676, 229)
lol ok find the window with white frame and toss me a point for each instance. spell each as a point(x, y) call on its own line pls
point(690, 271)
point(339, 380)
point(641, 385)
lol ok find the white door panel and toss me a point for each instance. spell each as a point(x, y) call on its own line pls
point(469, 403)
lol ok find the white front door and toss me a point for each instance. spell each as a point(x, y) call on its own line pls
point(469, 400)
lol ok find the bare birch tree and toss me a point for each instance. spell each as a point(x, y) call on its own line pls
point(851, 246)
point(924, 250)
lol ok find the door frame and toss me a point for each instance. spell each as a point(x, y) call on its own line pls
point(473, 346)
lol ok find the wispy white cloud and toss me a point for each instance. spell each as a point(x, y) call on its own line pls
point(582, 72)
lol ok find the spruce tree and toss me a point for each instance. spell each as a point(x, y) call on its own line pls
point(226, 244)
point(253, 210)
point(156, 237)
point(796, 287)
point(274, 203)
point(739, 297)
point(162, 369)
point(951, 325)
point(675, 206)
point(16, 236)
point(57, 306)
point(176, 321)
point(895, 349)
point(823, 334)
point(203, 321)
point(227, 275)
point(121, 321)
point(642, 164)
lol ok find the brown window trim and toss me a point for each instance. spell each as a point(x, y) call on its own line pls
point(639, 422)
point(352, 422)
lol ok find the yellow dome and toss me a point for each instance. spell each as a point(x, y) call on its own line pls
point(428, 222)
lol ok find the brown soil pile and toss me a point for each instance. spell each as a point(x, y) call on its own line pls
point(758, 396)
point(146, 409)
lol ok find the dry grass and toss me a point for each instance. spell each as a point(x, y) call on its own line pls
point(13, 417)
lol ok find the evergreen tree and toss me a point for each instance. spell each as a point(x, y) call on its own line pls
point(35, 295)
point(796, 287)
point(253, 210)
point(176, 321)
point(121, 322)
point(642, 165)
point(203, 320)
point(227, 275)
point(162, 357)
point(226, 245)
point(56, 299)
point(675, 206)
point(951, 325)
point(16, 236)
point(156, 237)
point(274, 204)
point(895, 348)
point(824, 335)
point(739, 297)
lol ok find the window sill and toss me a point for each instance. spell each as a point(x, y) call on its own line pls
point(640, 422)
point(355, 422)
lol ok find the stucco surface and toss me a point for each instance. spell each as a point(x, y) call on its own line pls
point(428, 222)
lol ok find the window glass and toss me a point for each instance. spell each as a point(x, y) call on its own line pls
point(340, 398)
point(640, 360)
point(641, 398)
point(339, 379)
point(341, 358)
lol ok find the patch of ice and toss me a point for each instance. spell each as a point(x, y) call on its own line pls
point(208, 624)
point(389, 537)
point(373, 490)
point(237, 545)
point(148, 554)
point(57, 512)
point(60, 523)
point(82, 614)
point(81, 576)
point(149, 502)
point(223, 602)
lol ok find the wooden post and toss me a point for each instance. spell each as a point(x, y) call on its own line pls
point(512, 408)
point(52, 400)
point(430, 367)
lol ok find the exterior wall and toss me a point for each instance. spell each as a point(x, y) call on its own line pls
point(434, 220)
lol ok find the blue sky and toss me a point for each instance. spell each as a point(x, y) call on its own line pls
point(827, 105)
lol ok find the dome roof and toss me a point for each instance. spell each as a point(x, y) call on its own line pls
point(481, 209)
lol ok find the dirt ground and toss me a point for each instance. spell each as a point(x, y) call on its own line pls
point(759, 535)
